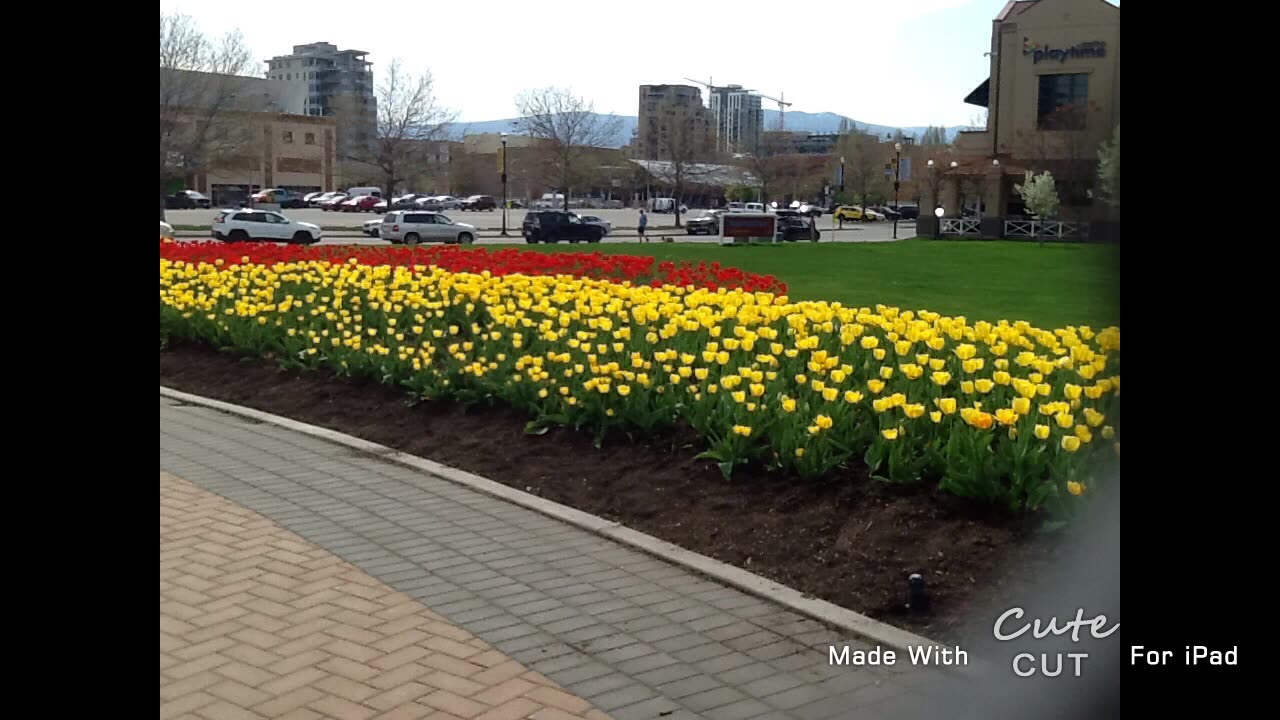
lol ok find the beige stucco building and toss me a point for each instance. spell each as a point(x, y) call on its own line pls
point(294, 152)
point(1053, 96)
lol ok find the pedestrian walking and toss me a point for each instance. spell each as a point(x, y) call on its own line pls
point(644, 220)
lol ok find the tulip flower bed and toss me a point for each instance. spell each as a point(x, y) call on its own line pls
point(1006, 413)
point(507, 261)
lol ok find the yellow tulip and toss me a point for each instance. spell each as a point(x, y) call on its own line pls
point(799, 452)
point(823, 422)
point(742, 430)
point(875, 386)
point(936, 416)
point(852, 397)
point(1065, 420)
point(830, 394)
point(878, 353)
point(941, 378)
point(1070, 443)
point(1006, 416)
point(946, 405)
point(756, 389)
point(1108, 432)
point(886, 372)
point(1075, 488)
point(1042, 432)
point(1001, 377)
point(984, 385)
point(870, 341)
point(1093, 417)
point(966, 386)
point(802, 379)
point(1082, 432)
point(739, 396)
point(913, 411)
point(788, 405)
point(1021, 405)
point(890, 434)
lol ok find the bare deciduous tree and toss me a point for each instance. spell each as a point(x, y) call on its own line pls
point(687, 145)
point(203, 95)
point(770, 165)
point(864, 164)
point(564, 124)
point(409, 123)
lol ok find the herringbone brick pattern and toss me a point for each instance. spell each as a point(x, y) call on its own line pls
point(257, 623)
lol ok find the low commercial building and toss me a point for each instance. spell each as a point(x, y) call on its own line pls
point(294, 152)
point(1053, 97)
point(226, 136)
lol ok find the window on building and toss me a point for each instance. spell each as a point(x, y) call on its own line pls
point(1064, 100)
point(311, 138)
point(288, 138)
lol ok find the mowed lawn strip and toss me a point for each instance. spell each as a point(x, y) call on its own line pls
point(1049, 285)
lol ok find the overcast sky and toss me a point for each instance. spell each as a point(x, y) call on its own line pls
point(888, 62)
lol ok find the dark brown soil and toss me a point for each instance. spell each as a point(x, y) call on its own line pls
point(846, 539)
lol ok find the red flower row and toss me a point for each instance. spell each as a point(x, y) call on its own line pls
point(506, 261)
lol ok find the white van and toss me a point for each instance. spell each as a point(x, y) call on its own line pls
point(358, 191)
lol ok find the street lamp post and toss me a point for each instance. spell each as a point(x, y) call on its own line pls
point(938, 213)
point(841, 188)
point(504, 185)
point(897, 175)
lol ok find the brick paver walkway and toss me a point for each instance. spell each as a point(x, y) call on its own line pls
point(633, 635)
point(257, 623)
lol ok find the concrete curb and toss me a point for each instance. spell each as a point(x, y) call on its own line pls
point(821, 610)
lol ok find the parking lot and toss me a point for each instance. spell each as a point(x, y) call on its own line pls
point(344, 228)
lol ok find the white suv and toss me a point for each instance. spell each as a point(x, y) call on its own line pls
point(244, 224)
point(412, 227)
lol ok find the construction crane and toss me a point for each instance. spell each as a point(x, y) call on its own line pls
point(782, 108)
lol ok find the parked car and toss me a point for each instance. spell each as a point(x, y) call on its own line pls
point(332, 202)
point(550, 226)
point(909, 212)
point(360, 203)
point(323, 197)
point(737, 207)
point(311, 197)
point(166, 231)
point(793, 226)
point(593, 220)
point(186, 200)
point(753, 208)
point(439, 202)
point(404, 202)
point(243, 225)
point(371, 227)
point(810, 210)
point(411, 227)
point(846, 213)
point(706, 224)
point(380, 207)
point(888, 212)
point(476, 203)
point(667, 205)
point(357, 191)
point(515, 204)
point(279, 196)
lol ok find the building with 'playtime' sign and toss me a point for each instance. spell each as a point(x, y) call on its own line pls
point(1052, 98)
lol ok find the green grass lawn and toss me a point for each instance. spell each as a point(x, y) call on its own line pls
point(1048, 285)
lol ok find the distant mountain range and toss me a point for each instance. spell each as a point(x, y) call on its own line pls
point(799, 121)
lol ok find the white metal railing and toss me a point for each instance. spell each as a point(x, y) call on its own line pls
point(960, 226)
point(1056, 229)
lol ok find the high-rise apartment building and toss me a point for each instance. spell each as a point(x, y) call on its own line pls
point(672, 121)
point(738, 118)
point(321, 80)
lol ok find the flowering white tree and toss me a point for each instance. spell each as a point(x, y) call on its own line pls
point(1109, 169)
point(1039, 195)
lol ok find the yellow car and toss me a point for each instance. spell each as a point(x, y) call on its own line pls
point(847, 212)
point(853, 212)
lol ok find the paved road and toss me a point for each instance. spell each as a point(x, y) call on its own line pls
point(493, 220)
point(632, 635)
